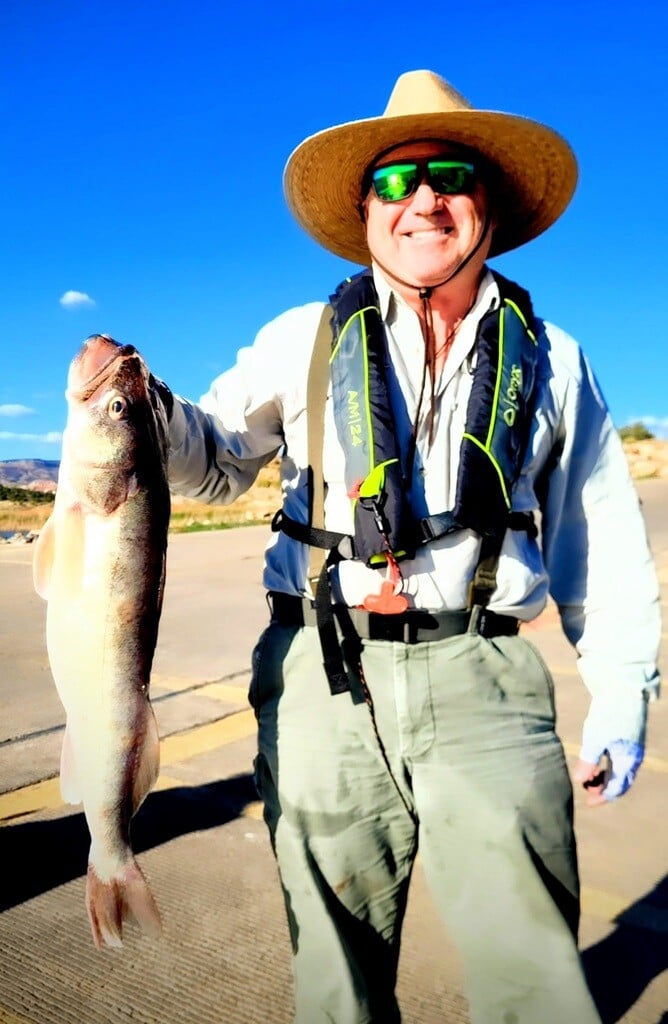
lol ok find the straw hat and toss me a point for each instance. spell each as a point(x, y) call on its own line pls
point(536, 166)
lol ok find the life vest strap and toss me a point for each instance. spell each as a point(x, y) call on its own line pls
point(432, 527)
point(333, 650)
point(314, 536)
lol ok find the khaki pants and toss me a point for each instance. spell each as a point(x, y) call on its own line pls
point(460, 756)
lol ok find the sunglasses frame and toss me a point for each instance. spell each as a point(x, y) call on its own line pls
point(424, 172)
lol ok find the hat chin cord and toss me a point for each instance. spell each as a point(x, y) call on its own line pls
point(427, 328)
point(426, 291)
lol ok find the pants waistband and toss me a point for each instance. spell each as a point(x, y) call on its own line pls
point(410, 627)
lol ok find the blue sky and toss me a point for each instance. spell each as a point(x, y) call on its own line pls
point(142, 151)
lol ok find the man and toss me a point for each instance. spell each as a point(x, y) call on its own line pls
point(397, 703)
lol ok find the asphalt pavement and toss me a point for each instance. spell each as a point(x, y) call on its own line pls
point(224, 957)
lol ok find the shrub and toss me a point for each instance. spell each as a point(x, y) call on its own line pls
point(635, 432)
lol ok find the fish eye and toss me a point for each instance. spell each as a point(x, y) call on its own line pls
point(117, 407)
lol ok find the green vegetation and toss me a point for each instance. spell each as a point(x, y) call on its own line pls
point(23, 496)
point(178, 525)
point(635, 432)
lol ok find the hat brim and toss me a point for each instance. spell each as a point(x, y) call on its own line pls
point(536, 166)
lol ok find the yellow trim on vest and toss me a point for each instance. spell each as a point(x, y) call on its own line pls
point(520, 314)
point(497, 385)
point(491, 458)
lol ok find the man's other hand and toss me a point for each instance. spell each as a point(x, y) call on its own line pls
point(612, 775)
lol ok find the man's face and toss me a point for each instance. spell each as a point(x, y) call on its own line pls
point(424, 238)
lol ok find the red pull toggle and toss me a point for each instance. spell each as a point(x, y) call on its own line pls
point(387, 602)
point(390, 601)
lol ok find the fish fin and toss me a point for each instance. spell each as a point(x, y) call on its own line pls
point(69, 780)
point(148, 767)
point(42, 561)
point(61, 537)
point(125, 897)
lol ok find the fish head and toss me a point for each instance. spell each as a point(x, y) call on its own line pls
point(115, 439)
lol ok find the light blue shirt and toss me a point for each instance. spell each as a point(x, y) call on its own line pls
point(592, 554)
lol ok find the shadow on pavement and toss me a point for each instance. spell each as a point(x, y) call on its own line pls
point(621, 966)
point(39, 855)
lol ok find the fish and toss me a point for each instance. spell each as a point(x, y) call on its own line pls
point(100, 563)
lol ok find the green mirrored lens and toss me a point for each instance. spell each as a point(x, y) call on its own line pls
point(395, 182)
point(449, 177)
point(446, 177)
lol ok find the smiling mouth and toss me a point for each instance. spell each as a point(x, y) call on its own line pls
point(429, 233)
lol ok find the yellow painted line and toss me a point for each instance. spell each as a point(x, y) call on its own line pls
point(44, 795)
point(651, 763)
point(225, 691)
point(181, 747)
point(177, 684)
point(603, 905)
point(167, 782)
point(254, 810)
point(205, 738)
point(37, 797)
point(607, 907)
point(596, 903)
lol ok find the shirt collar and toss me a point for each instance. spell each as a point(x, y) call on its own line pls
point(387, 298)
point(488, 296)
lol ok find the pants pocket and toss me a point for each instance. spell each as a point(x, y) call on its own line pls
point(267, 661)
point(256, 666)
point(529, 683)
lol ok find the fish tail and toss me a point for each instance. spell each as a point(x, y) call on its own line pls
point(126, 896)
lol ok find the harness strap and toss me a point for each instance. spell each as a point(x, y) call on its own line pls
point(318, 568)
point(341, 542)
point(432, 527)
point(316, 397)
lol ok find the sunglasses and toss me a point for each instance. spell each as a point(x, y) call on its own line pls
point(398, 181)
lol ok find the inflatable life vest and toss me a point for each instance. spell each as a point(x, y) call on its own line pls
point(492, 448)
point(495, 435)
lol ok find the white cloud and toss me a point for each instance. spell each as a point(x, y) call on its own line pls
point(658, 425)
point(71, 298)
point(16, 410)
point(52, 437)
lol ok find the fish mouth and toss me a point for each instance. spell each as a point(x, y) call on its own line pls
point(103, 370)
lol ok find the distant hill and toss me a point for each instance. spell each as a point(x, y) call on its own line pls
point(36, 474)
point(647, 458)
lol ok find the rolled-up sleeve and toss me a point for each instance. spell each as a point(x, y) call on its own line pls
point(602, 575)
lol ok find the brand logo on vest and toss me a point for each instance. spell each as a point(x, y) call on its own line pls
point(512, 395)
point(354, 419)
